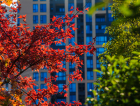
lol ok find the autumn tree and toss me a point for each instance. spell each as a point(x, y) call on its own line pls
point(21, 49)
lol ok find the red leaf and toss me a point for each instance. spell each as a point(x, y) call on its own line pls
point(65, 95)
point(77, 9)
point(87, 9)
point(71, 7)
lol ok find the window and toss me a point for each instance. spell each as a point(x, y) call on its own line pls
point(42, 0)
point(60, 8)
point(35, 0)
point(61, 75)
point(64, 64)
point(100, 29)
point(36, 76)
point(88, 54)
point(80, 4)
point(89, 63)
point(100, 40)
point(43, 86)
point(88, 18)
point(72, 98)
point(35, 8)
point(69, 6)
point(35, 19)
point(89, 28)
point(89, 87)
point(35, 87)
point(97, 64)
point(73, 87)
point(89, 75)
point(99, 51)
point(71, 65)
point(72, 31)
point(43, 76)
point(43, 19)
point(100, 19)
point(59, 100)
point(60, 86)
point(72, 40)
point(110, 17)
point(42, 7)
point(88, 3)
point(88, 39)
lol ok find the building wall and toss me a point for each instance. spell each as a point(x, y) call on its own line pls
point(82, 35)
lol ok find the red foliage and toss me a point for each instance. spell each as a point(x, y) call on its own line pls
point(30, 49)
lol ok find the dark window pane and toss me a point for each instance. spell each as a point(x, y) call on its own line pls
point(43, 8)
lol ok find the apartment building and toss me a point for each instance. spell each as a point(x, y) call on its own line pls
point(40, 12)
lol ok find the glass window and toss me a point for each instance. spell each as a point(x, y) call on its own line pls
point(89, 75)
point(35, 0)
point(88, 3)
point(35, 19)
point(61, 75)
point(35, 8)
point(43, 86)
point(101, 39)
point(43, 19)
point(36, 76)
point(71, 65)
point(42, 7)
point(88, 18)
point(89, 87)
point(59, 100)
point(100, 29)
point(72, 98)
point(89, 28)
point(99, 51)
point(36, 87)
point(88, 54)
point(60, 86)
point(70, 5)
point(72, 40)
point(43, 76)
point(110, 17)
point(89, 63)
point(73, 87)
point(60, 8)
point(80, 4)
point(100, 19)
point(64, 64)
point(88, 39)
point(42, 0)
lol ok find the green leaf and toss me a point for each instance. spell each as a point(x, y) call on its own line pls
point(137, 101)
point(94, 92)
point(97, 70)
point(96, 83)
point(125, 10)
point(97, 5)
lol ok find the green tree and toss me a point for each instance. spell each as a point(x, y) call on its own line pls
point(119, 84)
